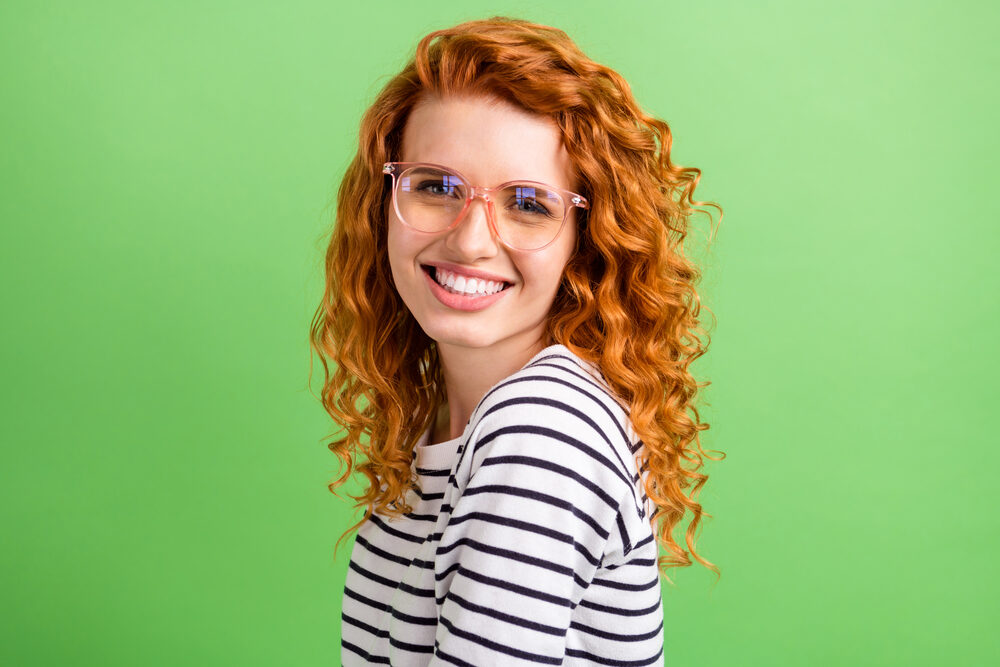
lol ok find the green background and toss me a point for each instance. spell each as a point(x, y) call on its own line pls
point(166, 174)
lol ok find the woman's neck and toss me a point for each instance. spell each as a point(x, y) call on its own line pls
point(469, 373)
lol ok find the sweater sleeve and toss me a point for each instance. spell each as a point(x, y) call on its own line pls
point(524, 537)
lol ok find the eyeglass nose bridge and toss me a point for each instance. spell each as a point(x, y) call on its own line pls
point(483, 193)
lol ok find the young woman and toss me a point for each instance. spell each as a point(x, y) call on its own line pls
point(511, 318)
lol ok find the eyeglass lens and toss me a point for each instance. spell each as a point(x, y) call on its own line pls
point(528, 216)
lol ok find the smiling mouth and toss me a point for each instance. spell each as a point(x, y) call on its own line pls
point(460, 285)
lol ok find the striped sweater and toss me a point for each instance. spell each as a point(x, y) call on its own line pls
point(529, 542)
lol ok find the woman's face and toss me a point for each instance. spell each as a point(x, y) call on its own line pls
point(489, 143)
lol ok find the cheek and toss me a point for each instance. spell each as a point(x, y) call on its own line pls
point(403, 246)
point(543, 271)
point(396, 249)
point(559, 259)
point(545, 276)
point(399, 243)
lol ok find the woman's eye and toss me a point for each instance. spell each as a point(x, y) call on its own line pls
point(531, 206)
point(440, 188)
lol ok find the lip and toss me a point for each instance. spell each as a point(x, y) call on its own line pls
point(471, 273)
point(459, 302)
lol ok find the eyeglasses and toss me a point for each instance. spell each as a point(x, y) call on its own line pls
point(433, 198)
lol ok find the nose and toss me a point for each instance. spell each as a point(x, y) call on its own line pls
point(474, 235)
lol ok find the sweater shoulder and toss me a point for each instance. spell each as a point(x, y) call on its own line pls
point(556, 374)
point(559, 396)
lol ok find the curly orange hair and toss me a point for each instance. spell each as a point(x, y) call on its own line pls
point(626, 301)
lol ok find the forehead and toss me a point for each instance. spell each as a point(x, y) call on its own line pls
point(490, 141)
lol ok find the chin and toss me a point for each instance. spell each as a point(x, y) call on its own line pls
point(445, 335)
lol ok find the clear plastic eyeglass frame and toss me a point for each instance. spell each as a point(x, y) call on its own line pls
point(485, 193)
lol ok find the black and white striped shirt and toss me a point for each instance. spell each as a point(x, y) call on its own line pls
point(529, 543)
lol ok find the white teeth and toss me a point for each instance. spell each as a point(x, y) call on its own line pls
point(469, 286)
